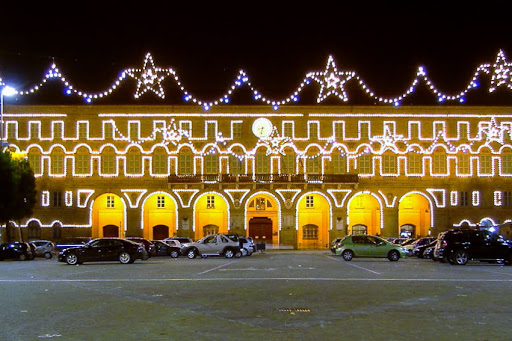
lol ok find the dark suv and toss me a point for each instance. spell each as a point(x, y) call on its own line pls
point(458, 246)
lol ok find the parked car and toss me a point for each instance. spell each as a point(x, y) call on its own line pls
point(164, 249)
point(212, 245)
point(44, 248)
point(104, 249)
point(16, 250)
point(458, 246)
point(429, 251)
point(334, 243)
point(409, 248)
point(419, 250)
point(182, 240)
point(172, 242)
point(150, 248)
point(368, 246)
point(247, 246)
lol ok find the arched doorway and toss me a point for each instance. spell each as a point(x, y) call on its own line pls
point(364, 210)
point(159, 216)
point(210, 209)
point(262, 218)
point(110, 231)
point(160, 232)
point(108, 211)
point(313, 221)
point(414, 215)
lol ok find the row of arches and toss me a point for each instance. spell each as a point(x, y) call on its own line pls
point(262, 217)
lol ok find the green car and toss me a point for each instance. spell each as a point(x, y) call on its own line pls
point(368, 246)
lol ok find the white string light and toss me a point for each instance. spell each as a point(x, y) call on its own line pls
point(332, 83)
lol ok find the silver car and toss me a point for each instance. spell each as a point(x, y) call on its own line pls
point(44, 248)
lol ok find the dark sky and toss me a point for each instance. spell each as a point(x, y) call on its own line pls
point(92, 42)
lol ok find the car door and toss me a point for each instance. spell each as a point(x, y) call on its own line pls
point(96, 250)
point(373, 247)
point(359, 246)
point(208, 245)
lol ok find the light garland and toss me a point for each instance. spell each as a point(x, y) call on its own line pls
point(332, 83)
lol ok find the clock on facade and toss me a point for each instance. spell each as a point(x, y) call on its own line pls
point(262, 127)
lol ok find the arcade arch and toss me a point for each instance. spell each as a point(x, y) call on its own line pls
point(159, 216)
point(210, 209)
point(364, 209)
point(108, 216)
point(414, 215)
point(313, 221)
point(262, 218)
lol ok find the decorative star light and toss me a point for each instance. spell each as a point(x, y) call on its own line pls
point(387, 140)
point(493, 132)
point(148, 78)
point(172, 134)
point(275, 142)
point(501, 73)
point(331, 81)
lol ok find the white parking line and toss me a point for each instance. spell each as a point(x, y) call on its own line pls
point(355, 266)
point(446, 280)
point(217, 267)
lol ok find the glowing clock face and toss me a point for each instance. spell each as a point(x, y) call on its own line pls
point(262, 127)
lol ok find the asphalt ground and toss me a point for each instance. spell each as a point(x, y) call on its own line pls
point(277, 295)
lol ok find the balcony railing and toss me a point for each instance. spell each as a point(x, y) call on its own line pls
point(264, 178)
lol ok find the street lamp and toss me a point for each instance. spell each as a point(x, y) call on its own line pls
point(6, 91)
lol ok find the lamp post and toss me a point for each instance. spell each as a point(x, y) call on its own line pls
point(6, 91)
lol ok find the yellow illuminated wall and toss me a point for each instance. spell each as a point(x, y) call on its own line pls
point(159, 209)
point(107, 209)
point(364, 209)
point(207, 214)
point(414, 209)
point(313, 209)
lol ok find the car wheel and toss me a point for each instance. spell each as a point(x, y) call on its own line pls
point(460, 257)
point(72, 259)
point(125, 258)
point(347, 255)
point(393, 256)
point(191, 254)
point(22, 257)
point(174, 254)
point(238, 254)
point(229, 253)
point(244, 252)
point(48, 255)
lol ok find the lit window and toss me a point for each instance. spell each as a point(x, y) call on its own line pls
point(310, 232)
point(260, 204)
point(110, 201)
point(310, 202)
point(160, 201)
point(210, 201)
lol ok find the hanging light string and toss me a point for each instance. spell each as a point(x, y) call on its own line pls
point(332, 83)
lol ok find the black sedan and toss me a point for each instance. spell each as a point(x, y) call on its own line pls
point(164, 249)
point(16, 250)
point(104, 249)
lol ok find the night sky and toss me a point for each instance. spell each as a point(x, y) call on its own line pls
point(92, 42)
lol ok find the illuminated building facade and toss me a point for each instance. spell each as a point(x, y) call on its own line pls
point(294, 177)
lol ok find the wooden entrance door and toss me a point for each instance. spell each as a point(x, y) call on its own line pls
point(160, 232)
point(110, 231)
point(260, 229)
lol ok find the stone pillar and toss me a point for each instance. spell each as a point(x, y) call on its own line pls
point(288, 234)
point(390, 217)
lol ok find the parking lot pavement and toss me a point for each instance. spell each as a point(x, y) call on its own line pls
point(276, 295)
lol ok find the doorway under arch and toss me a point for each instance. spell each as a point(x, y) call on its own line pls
point(414, 210)
point(364, 209)
point(108, 210)
point(407, 231)
point(160, 232)
point(210, 229)
point(359, 229)
point(262, 218)
point(260, 229)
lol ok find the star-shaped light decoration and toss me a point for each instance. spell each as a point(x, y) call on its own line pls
point(387, 140)
point(493, 132)
point(148, 78)
point(501, 73)
point(331, 81)
point(172, 134)
point(275, 142)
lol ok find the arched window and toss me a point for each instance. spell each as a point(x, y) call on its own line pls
point(82, 161)
point(34, 159)
point(57, 161)
point(288, 162)
point(159, 163)
point(310, 232)
point(108, 161)
point(185, 162)
point(134, 161)
point(33, 230)
point(56, 231)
